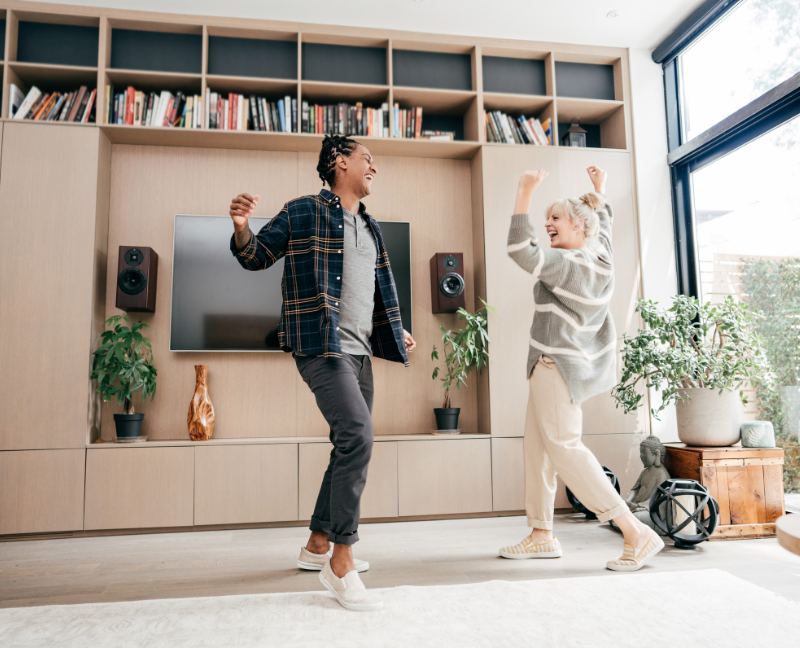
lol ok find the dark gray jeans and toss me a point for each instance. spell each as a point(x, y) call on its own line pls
point(344, 392)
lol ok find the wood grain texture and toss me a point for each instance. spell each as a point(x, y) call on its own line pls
point(744, 531)
point(510, 289)
point(444, 478)
point(773, 492)
point(434, 196)
point(253, 393)
point(240, 484)
point(724, 500)
point(140, 488)
point(379, 499)
point(680, 463)
point(41, 491)
point(45, 311)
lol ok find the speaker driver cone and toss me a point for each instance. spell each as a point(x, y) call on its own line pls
point(452, 284)
point(132, 281)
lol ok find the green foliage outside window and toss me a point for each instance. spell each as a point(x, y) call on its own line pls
point(773, 286)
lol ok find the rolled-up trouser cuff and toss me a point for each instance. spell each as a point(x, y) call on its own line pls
point(320, 526)
point(615, 512)
point(540, 524)
point(350, 539)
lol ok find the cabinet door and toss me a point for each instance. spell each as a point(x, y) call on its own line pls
point(508, 475)
point(380, 494)
point(41, 491)
point(133, 488)
point(441, 477)
point(238, 484)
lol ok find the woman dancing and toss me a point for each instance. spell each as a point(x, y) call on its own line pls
point(571, 357)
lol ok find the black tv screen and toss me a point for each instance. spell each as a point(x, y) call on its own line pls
point(217, 305)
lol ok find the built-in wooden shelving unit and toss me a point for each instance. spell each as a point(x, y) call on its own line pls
point(453, 79)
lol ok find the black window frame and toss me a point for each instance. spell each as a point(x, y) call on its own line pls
point(769, 111)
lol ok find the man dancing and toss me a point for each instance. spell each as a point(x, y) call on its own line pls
point(339, 309)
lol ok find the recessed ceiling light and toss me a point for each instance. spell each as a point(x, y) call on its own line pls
point(613, 14)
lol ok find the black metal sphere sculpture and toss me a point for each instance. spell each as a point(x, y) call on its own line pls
point(665, 511)
point(576, 504)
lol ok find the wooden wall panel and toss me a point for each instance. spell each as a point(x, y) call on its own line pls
point(240, 484)
point(435, 197)
point(41, 491)
point(444, 477)
point(48, 193)
point(251, 394)
point(380, 494)
point(508, 475)
point(510, 288)
point(136, 488)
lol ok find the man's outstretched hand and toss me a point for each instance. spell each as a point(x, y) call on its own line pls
point(242, 208)
point(410, 344)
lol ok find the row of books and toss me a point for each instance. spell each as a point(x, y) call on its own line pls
point(345, 119)
point(240, 112)
point(504, 129)
point(52, 106)
point(138, 108)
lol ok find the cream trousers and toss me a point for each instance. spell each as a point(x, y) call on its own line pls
point(553, 427)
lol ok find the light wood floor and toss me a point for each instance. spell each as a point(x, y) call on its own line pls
point(218, 563)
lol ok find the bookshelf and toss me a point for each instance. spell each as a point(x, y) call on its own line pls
point(453, 79)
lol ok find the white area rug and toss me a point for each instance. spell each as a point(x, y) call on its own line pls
point(706, 609)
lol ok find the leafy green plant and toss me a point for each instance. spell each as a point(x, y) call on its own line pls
point(124, 363)
point(689, 345)
point(463, 349)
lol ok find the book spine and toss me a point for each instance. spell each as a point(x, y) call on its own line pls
point(294, 115)
point(130, 96)
point(89, 104)
point(106, 108)
point(189, 112)
point(83, 97)
point(418, 124)
point(34, 94)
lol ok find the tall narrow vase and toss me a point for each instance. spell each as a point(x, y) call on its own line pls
point(201, 411)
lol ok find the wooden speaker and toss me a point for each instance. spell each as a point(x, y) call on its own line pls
point(447, 282)
point(137, 275)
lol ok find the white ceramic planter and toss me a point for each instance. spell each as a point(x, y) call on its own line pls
point(709, 418)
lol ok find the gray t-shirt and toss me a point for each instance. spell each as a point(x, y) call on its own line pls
point(357, 301)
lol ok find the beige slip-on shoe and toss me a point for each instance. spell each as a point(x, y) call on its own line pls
point(633, 559)
point(350, 591)
point(315, 562)
point(529, 549)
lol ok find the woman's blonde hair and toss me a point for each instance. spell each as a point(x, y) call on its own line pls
point(581, 208)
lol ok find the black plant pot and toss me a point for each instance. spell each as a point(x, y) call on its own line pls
point(129, 426)
point(446, 419)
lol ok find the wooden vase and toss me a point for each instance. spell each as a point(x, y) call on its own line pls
point(201, 411)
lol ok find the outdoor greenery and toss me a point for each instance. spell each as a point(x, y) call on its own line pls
point(125, 357)
point(689, 345)
point(463, 349)
point(773, 287)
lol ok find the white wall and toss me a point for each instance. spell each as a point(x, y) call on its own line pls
point(656, 231)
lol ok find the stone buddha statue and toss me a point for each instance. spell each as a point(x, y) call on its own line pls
point(652, 453)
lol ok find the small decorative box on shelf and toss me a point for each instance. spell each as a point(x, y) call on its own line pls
point(747, 483)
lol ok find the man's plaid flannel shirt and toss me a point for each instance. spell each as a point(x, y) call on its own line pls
point(309, 232)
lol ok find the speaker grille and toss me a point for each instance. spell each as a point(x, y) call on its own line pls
point(132, 281)
point(452, 284)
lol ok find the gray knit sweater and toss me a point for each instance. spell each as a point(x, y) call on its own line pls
point(571, 293)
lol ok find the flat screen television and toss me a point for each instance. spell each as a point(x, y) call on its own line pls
point(217, 305)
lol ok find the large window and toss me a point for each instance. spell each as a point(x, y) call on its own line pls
point(750, 51)
point(732, 81)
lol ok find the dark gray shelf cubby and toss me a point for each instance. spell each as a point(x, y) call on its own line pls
point(585, 80)
point(438, 70)
point(514, 75)
point(56, 44)
point(344, 64)
point(156, 51)
point(252, 57)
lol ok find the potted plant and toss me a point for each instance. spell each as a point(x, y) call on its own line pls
point(695, 355)
point(123, 365)
point(464, 350)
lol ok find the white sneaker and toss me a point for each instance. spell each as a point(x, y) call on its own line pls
point(633, 559)
point(315, 562)
point(350, 591)
point(529, 549)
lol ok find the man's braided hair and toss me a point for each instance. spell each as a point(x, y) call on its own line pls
point(332, 147)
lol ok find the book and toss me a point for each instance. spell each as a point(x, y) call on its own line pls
point(385, 114)
point(164, 100)
point(15, 99)
point(287, 115)
point(167, 112)
point(59, 105)
point(130, 97)
point(89, 104)
point(189, 112)
point(138, 100)
point(44, 104)
point(281, 115)
point(418, 123)
point(294, 115)
point(34, 94)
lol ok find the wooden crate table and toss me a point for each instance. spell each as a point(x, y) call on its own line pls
point(747, 483)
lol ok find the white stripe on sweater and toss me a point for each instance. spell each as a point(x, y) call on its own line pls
point(573, 352)
point(516, 247)
point(582, 300)
point(538, 269)
point(581, 260)
point(552, 308)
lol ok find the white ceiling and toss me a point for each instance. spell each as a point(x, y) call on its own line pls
point(641, 23)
